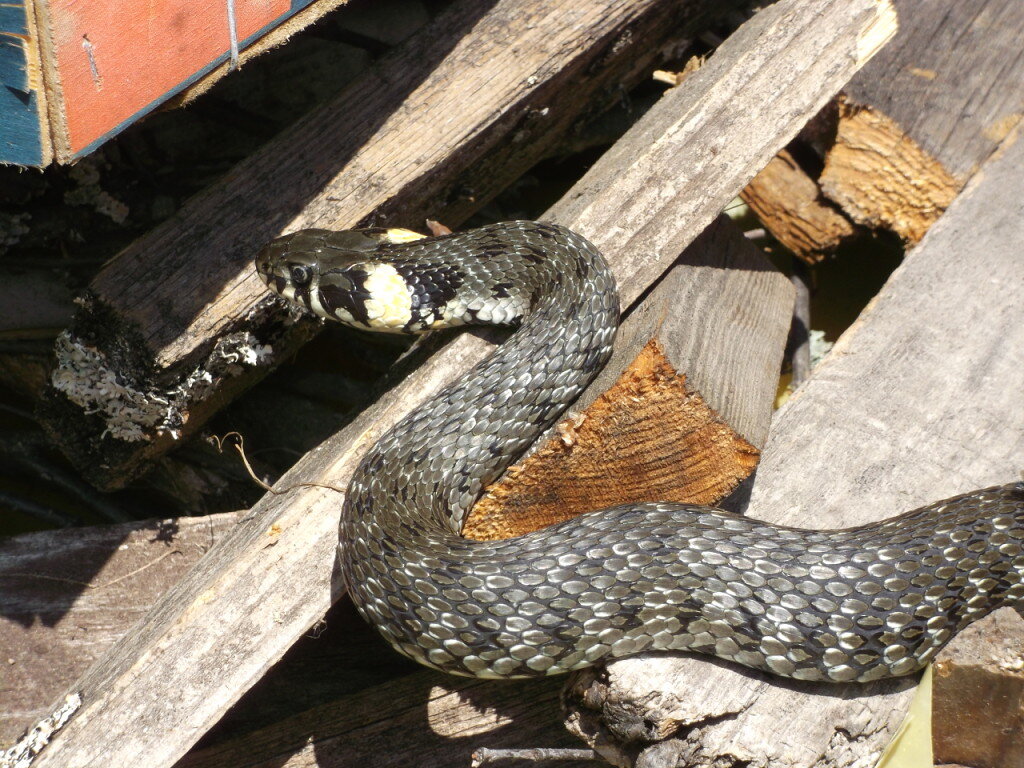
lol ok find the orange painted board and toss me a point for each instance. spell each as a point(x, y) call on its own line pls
point(106, 63)
point(116, 57)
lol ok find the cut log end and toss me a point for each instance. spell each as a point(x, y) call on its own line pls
point(648, 438)
point(978, 693)
point(791, 207)
point(882, 178)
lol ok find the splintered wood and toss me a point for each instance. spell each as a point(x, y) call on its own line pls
point(882, 178)
point(926, 113)
point(648, 438)
point(790, 205)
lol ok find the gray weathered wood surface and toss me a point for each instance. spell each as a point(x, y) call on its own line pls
point(67, 595)
point(219, 629)
point(442, 124)
point(919, 400)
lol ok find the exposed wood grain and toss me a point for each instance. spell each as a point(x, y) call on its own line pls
point(721, 315)
point(66, 596)
point(445, 122)
point(717, 314)
point(938, 101)
point(648, 438)
point(882, 178)
point(218, 630)
point(919, 400)
point(790, 205)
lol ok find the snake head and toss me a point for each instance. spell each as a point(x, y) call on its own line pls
point(340, 276)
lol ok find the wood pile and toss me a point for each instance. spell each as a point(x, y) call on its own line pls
point(227, 640)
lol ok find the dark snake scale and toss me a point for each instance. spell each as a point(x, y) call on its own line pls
point(859, 604)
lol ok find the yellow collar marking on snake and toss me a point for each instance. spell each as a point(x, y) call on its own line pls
point(390, 303)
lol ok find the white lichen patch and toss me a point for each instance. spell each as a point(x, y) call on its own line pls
point(22, 754)
point(85, 377)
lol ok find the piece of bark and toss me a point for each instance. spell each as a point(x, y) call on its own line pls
point(978, 695)
point(919, 400)
point(790, 205)
point(179, 324)
point(720, 315)
point(218, 630)
point(923, 116)
point(67, 595)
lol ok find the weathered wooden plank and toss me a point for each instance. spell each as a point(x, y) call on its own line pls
point(721, 314)
point(425, 719)
point(919, 400)
point(67, 596)
point(218, 630)
point(180, 321)
point(923, 116)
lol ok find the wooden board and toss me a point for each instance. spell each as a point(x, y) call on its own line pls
point(67, 595)
point(80, 73)
point(922, 118)
point(919, 400)
point(789, 204)
point(178, 323)
point(219, 629)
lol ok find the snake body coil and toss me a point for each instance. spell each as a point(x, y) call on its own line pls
point(861, 603)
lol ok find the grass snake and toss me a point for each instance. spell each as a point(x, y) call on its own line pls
point(856, 604)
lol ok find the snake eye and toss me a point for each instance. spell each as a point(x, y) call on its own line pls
point(300, 274)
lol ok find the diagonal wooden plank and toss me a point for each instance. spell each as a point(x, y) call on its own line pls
point(218, 630)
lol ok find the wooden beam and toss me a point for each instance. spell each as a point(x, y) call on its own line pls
point(66, 596)
point(919, 400)
point(790, 205)
point(219, 629)
point(178, 323)
point(918, 122)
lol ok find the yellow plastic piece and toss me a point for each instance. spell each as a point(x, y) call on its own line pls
point(911, 747)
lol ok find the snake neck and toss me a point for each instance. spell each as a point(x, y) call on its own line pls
point(558, 289)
